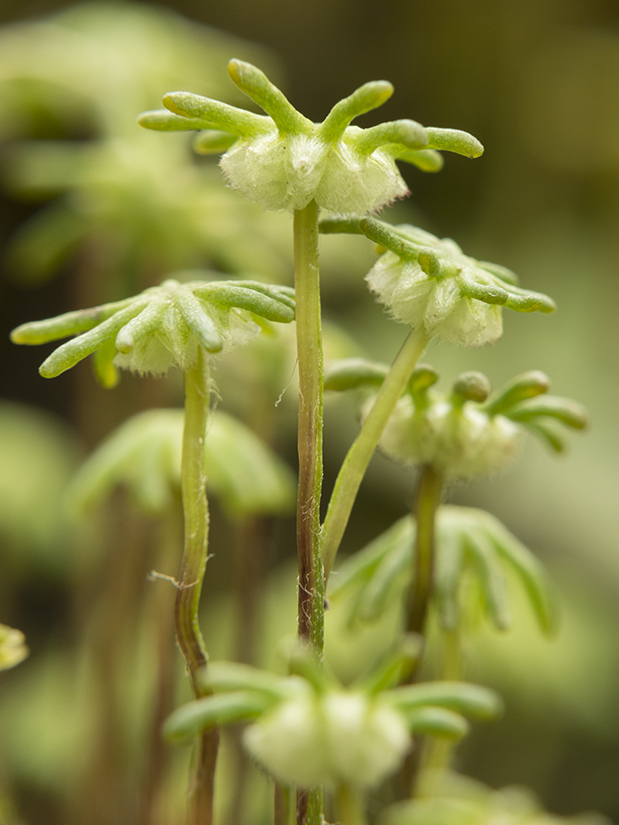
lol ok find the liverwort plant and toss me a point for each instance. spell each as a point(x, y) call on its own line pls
point(464, 434)
point(432, 286)
point(284, 161)
point(306, 729)
point(182, 324)
point(467, 433)
point(140, 462)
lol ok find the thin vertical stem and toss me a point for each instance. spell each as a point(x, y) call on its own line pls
point(311, 388)
point(311, 383)
point(196, 520)
point(283, 810)
point(356, 462)
point(350, 806)
point(427, 500)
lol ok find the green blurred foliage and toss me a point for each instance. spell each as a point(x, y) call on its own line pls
point(39, 454)
point(462, 801)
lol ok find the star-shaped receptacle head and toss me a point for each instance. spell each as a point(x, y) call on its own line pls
point(161, 326)
point(467, 432)
point(282, 160)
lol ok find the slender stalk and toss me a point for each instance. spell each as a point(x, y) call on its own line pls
point(427, 501)
point(311, 382)
point(356, 462)
point(314, 807)
point(309, 806)
point(428, 498)
point(311, 385)
point(196, 519)
point(350, 806)
point(283, 810)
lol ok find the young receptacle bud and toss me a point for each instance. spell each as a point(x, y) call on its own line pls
point(430, 283)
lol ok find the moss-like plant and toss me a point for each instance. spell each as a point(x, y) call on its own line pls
point(308, 731)
point(182, 324)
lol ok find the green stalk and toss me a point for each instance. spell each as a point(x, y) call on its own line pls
point(195, 554)
point(283, 807)
point(311, 383)
point(311, 388)
point(356, 462)
point(428, 499)
point(350, 806)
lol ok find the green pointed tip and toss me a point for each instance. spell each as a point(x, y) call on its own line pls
point(376, 93)
point(439, 722)
point(568, 412)
point(352, 373)
point(257, 86)
point(205, 113)
point(364, 99)
point(50, 370)
point(526, 301)
point(247, 77)
point(541, 414)
point(427, 160)
point(527, 385)
point(200, 112)
point(175, 102)
point(163, 120)
point(185, 106)
point(236, 69)
point(547, 434)
point(534, 382)
point(19, 335)
point(547, 304)
point(453, 140)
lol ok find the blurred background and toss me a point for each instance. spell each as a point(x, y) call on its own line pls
point(92, 209)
